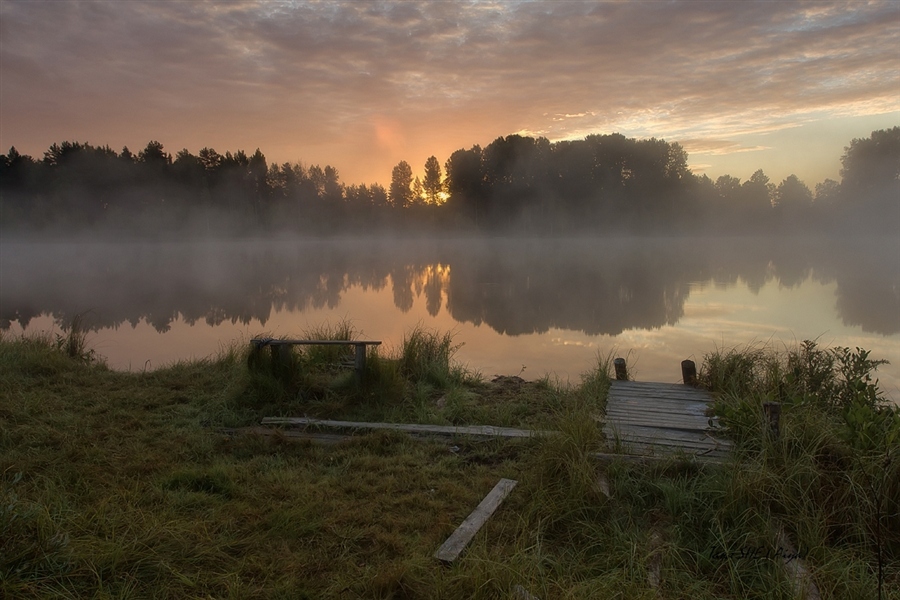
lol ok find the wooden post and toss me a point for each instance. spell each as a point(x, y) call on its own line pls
point(255, 354)
point(282, 363)
point(361, 360)
point(621, 370)
point(689, 372)
point(773, 418)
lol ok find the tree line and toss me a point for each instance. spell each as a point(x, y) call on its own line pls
point(515, 184)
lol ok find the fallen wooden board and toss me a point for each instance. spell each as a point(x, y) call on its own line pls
point(459, 539)
point(801, 579)
point(479, 430)
point(294, 436)
point(522, 594)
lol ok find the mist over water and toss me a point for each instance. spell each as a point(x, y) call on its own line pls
point(550, 305)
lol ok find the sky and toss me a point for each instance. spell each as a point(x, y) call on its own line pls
point(782, 86)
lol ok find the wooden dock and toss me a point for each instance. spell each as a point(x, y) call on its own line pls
point(662, 418)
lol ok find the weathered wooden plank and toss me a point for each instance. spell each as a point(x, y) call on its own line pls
point(660, 420)
point(677, 391)
point(674, 403)
point(664, 435)
point(668, 444)
point(521, 593)
point(660, 446)
point(653, 432)
point(702, 454)
point(801, 579)
point(653, 399)
point(477, 430)
point(659, 390)
point(603, 485)
point(664, 418)
point(647, 385)
point(658, 404)
point(668, 452)
point(657, 413)
point(644, 396)
point(675, 398)
point(661, 432)
point(654, 564)
point(321, 438)
point(459, 539)
point(678, 428)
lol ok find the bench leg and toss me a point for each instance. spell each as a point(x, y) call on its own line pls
point(281, 356)
point(361, 360)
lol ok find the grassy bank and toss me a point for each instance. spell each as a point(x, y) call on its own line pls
point(122, 485)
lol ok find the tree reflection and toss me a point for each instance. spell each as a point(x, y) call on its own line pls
point(513, 286)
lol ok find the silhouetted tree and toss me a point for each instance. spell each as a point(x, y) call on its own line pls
point(401, 182)
point(728, 188)
point(188, 170)
point(154, 154)
point(210, 159)
point(257, 170)
point(466, 182)
point(827, 193)
point(378, 195)
point(873, 162)
point(417, 193)
point(432, 184)
point(332, 189)
point(793, 194)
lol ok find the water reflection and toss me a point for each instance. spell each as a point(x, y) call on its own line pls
point(514, 287)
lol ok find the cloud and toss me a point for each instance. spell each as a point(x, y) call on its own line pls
point(309, 79)
point(717, 147)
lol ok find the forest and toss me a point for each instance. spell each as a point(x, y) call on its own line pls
point(602, 184)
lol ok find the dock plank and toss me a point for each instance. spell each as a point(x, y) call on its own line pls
point(662, 418)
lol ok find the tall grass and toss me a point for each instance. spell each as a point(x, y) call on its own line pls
point(74, 342)
point(426, 356)
point(834, 473)
point(121, 485)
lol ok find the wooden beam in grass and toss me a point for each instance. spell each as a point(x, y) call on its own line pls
point(456, 543)
point(800, 577)
point(479, 430)
point(520, 593)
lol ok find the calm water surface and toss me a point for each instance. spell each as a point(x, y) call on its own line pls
point(516, 306)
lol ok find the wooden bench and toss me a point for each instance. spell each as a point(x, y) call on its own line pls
point(277, 345)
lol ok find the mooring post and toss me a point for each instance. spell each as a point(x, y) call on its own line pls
point(773, 418)
point(361, 361)
point(621, 371)
point(689, 372)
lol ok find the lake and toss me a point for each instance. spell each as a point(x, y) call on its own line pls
point(517, 306)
